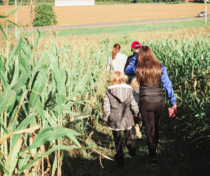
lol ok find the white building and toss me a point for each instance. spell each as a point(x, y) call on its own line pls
point(74, 2)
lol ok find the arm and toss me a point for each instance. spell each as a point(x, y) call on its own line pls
point(168, 86)
point(106, 108)
point(134, 105)
point(131, 68)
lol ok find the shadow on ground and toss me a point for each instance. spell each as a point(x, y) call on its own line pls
point(177, 156)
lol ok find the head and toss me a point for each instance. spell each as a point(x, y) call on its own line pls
point(117, 77)
point(148, 69)
point(134, 83)
point(116, 49)
point(135, 46)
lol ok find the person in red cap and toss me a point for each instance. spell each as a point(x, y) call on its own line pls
point(135, 46)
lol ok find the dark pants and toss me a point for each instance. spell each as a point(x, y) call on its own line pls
point(118, 140)
point(151, 114)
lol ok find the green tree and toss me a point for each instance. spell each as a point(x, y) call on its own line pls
point(44, 15)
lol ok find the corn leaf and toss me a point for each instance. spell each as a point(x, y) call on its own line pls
point(38, 87)
point(49, 134)
point(54, 148)
point(13, 156)
point(22, 126)
point(6, 98)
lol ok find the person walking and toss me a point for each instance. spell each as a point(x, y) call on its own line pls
point(150, 73)
point(137, 119)
point(135, 46)
point(117, 61)
point(116, 111)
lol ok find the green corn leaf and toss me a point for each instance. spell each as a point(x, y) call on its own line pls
point(76, 120)
point(2, 165)
point(13, 156)
point(20, 82)
point(12, 22)
point(22, 126)
point(6, 99)
point(16, 72)
point(13, 11)
point(49, 135)
point(4, 80)
point(1, 16)
point(60, 104)
point(37, 39)
point(54, 148)
point(38, 87)
point(72, 137)
point(1, 29)
point(2, 125)
point(55, 164)
point(14, 51)
point(50, 120)
point(22, 161)
point(41, 61)
point(40, 109)
point(56, 71)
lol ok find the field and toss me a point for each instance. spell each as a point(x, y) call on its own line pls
point(62, 80)
point(51, 94)
point(111, 13)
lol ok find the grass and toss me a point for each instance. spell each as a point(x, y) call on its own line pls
point(131, 28)
point(176, 156)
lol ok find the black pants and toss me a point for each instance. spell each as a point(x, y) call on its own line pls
point(151, 114)
point(118, 140)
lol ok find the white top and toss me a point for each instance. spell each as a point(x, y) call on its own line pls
point(118, 64)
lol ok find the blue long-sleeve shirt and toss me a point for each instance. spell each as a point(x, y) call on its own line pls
point(131, 71)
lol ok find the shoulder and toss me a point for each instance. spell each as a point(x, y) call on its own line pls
point(123, 55)
point(109, 59)
point(163, 68)
point(120, 86)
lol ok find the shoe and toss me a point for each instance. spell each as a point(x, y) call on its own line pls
point(119, 160)
point(132, 149)
point(153, 162)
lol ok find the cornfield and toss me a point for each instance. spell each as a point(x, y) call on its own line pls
point(52, 93)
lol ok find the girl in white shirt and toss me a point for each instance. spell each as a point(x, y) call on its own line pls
point(117, 61)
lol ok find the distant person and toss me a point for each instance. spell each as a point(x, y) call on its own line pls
point(150, 73)
point(117, 61)
point(135, 46)
point(116, 111)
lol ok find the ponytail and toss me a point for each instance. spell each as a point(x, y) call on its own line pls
point(116, 49)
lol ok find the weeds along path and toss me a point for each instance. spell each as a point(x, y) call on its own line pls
point(59, 85)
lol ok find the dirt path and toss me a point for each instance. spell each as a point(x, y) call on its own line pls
point(110, 24)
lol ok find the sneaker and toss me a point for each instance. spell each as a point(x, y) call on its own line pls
point(119, 160)
point(132, 149)
point(153, 162)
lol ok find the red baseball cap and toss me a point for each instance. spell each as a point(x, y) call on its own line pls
point(135, 44)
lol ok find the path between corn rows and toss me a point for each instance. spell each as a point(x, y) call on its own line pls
point(110, 24)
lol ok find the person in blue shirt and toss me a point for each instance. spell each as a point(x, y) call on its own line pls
point(150, 73)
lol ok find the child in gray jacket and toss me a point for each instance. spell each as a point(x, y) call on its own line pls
point(118, 103)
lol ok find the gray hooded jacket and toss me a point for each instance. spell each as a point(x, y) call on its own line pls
point(118, 103)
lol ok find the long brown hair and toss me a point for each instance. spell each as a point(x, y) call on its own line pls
point(116, 49)
point(148, 69)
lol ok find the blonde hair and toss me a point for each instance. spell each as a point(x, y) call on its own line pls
point(134, 83)
point(117, 77)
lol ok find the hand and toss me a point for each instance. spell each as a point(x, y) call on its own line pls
point(174, 107)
